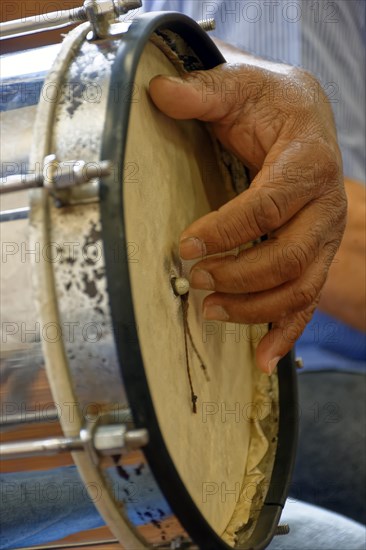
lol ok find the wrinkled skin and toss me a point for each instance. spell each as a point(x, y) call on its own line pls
point(278, 122)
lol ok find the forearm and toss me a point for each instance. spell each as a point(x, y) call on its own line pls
point(344, 294)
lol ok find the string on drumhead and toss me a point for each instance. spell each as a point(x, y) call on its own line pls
point(189, 333)
point(188, 336)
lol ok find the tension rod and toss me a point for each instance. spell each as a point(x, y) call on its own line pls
point(64, 18)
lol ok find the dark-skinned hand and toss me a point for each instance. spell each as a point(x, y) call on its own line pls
point(279, 123)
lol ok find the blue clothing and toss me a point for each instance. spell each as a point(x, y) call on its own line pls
point(55, 503)
point(51, 505)
point(328, 344)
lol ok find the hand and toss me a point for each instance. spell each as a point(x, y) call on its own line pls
point(278, 122)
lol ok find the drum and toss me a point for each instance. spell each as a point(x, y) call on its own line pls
point(104, 352)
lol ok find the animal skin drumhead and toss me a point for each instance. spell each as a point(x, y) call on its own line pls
point(169, 182)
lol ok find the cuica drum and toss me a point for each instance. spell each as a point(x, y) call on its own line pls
point(104, 348)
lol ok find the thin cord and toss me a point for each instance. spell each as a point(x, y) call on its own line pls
point(194, 397)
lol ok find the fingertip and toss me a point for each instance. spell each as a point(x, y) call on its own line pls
point(177, 97)
point(272, 364)
point(192, 248)
point(163, 80)
point(268, 366)
point(270, 351)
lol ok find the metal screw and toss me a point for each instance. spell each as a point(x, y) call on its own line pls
point(134, 439)
point(123, 6)
point(207, 24)
point(283, 529)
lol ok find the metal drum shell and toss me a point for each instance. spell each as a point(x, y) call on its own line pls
point(81, 303)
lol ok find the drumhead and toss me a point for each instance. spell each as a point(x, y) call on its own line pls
point(209, 450)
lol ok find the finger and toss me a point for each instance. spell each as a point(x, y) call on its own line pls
point(281, 339)
point(270, 305)
point(274, 197)
point(263, 267)
point(284, 257)
point(196, 95)
point(251, 215)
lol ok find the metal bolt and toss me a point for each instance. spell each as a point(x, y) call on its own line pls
point(299, 363)
point(207, 24)
point(107, 440)
point(115, 439)
point(123, 6)
point(283, 529)
point(73, 172)
point(134, 439)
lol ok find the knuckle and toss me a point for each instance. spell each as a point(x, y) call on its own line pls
point(311, 87)
point(292, 262)
point(239, 281)
point(268, 213)
point(304, 295)
point(334, 213)
point(229, 274)
point(249, 220)
point(228, 234)
point(330, 250)
point(329, 162)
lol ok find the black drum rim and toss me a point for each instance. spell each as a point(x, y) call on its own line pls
point(122, 310)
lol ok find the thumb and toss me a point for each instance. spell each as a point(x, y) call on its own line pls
point(195, 95)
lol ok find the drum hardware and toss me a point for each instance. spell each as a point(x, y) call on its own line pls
point(106, 440)
point(98, 12)
point(14, 214)
point(299, 363)
point(122, 416)
point(56, 175)
point(101, 13)
point(207, 24)
point(28, 417)
point(72, 545)
point(282, 529)
point(177, 544)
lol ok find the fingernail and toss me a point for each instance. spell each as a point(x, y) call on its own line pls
point(192, 248)
point(202, 279)
point(215, 313)
point(272, 364)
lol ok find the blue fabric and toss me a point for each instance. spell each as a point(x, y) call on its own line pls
point(331, 454)
point(44, 506)
point(329, 344)
point(312, 528)
point(39, 507)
